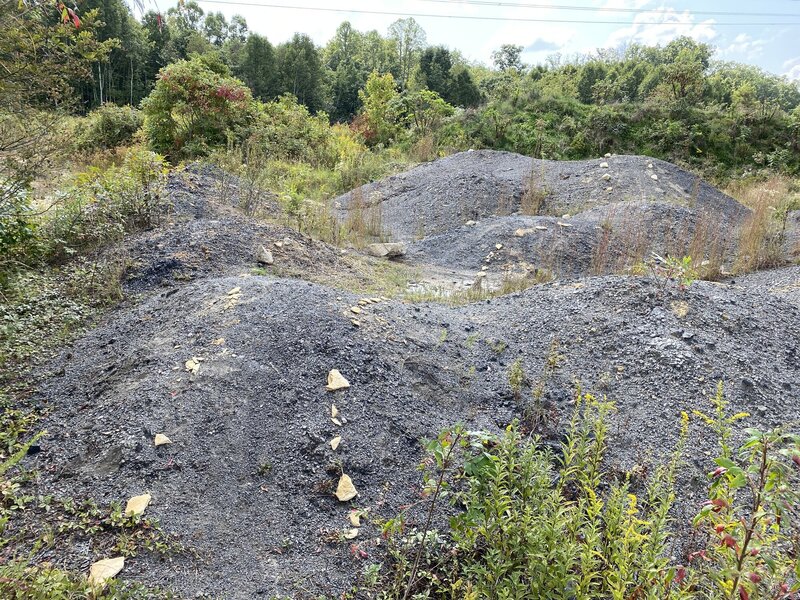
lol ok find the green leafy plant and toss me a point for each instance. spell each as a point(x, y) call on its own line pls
point(109, 126)
point(533, 524)
point(194, 108)
point(671, 269)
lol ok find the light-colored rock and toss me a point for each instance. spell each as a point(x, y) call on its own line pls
point(603, 165)
point(355, 310)
point(608, 155)
point(606, 177)
point(654, 177)
point(471, 223)
point(540, 228)
point(137, 505)
point(264, 256)
point(103, 570)
point(161, 440)
point(336, 381)
point(386, 250)
point(498, 246)
point(346, 490)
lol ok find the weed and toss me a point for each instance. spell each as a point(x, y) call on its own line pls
point(499, 346)
point(533, 198)
point(517, 378)
point(670, 269)
point(471, 339)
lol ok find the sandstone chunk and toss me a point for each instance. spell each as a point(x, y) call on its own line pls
point(386, 250)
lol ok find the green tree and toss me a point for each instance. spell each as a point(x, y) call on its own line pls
point(378, 98)
point(193, 108)
point(409, 39)
point(259, 69)
point(342, 57)
point(423, 111)
point(43, 60)
point(300, 71)
point(378, 54)
point(435, 65)
point(464, 92)
point(215, 28)
point(508, 57)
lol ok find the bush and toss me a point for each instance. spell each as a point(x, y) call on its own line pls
point(534, 524)
point(108, 127)
point(286, 130)
point(103, 204)
point(193, 109)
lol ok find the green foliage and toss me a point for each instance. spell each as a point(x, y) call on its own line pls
point(379, 98)
point(286, 130)
point(300, 70)
point(193, 109)
point(671, 269)
point(109, 126)
point(258, 68)
point(103, 204)
point(533, 524)
point(16, 223)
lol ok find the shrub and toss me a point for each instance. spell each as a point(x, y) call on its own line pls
point(286, 130)
point(193, 109)
point(108, 127)
point(534, 524)
point(103, 204)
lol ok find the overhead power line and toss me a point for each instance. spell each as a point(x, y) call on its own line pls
point(475, 17)
point(601, 9)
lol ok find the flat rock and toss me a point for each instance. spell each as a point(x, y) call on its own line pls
point(386, 250)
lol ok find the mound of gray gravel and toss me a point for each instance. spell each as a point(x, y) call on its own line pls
point(596, 216)
point(605, 239)
point(231, 365)
point(469, 186)
point(249, 478)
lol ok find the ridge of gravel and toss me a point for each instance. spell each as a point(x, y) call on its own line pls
point(438, 196)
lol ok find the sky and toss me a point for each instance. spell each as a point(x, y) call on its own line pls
point(765, 33)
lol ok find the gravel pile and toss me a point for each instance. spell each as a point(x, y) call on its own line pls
point(599, 215)
point(232, 366)
point(249, 478)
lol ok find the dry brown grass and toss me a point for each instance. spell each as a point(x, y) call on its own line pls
point(762, 237)
point(535, 194)
point(364, 223)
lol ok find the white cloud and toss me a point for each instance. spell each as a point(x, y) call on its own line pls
point(661, 26)
point(744, 44)
point(792, 68)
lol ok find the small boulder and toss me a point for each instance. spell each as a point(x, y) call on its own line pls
point(603, 165)
point(264, 256)
point(386, 250)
